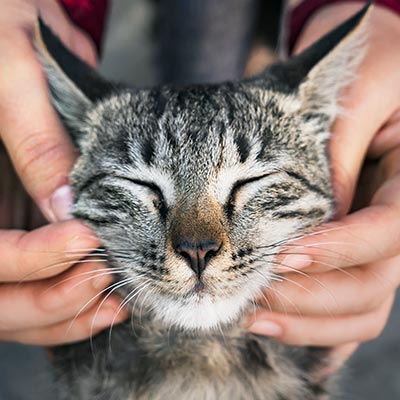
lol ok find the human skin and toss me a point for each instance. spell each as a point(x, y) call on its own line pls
point(44, 291)
point(349, 273)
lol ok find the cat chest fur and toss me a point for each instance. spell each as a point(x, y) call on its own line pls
point(154, 363)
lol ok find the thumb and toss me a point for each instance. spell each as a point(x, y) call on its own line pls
point(40, 150)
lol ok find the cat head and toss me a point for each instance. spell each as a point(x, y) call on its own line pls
point(193, 190)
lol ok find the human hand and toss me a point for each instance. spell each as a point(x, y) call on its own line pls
point(341, 289)
point(39, 149)
point(48, 294)
point(42, 310)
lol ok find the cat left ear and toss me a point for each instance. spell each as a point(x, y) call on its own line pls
point(74, 85)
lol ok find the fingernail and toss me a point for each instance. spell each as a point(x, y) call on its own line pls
point(296, 261)
point(61, 204)
point(267, 328)
point(101, 282)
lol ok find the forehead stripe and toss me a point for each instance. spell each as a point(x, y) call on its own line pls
point(243, 147)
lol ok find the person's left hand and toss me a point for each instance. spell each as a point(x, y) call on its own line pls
point(342, 279)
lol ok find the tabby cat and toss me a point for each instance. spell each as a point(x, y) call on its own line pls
point(193, 191)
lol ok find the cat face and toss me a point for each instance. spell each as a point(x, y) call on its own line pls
point(193, 190)
point(190, 189)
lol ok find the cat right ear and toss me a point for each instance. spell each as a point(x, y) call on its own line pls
point(74, 85)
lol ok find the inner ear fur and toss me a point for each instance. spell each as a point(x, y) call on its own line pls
point(337, 45)
point(80, 74)
point(74, 85)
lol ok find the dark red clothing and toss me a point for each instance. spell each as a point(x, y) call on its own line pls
point(89, 15)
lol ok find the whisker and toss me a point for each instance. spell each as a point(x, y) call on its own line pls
point(314, 296)
point(105, 270)
point(57, 265)
point(287, 251)
point(127, 299)
point(302, 273)
point(261, 292)
point(117, 286)
point(279, 293)
point(113, 286)
point(326, 231)
point(142, 304)
point(332, 267)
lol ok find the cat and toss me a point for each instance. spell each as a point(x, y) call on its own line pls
point(193, 191)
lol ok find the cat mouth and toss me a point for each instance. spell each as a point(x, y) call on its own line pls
point(199, 287)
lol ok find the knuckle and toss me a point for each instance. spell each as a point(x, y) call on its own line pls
point(21, 265)
point(37, 151)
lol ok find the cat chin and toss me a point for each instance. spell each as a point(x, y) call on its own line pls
point(203, 314)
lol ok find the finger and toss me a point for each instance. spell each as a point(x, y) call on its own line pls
point(84, 47)
point(44, 252)
point(47, 302)
point(367, 110)
point(356, 290)
point(387, 138)
point(86, 325)
point(341, 354)
point(72, 36)
point(337, 358)
point(363, 237)
point(322, 331)
point(40, 150)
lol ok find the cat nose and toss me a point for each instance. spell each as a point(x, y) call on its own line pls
point(198, 255)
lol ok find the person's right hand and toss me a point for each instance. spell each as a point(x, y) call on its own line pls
point(41, 311)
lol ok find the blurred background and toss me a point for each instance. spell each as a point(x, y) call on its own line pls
point(130, 55)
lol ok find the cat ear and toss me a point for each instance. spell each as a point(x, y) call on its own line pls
point(74, 85)
point(320, 72)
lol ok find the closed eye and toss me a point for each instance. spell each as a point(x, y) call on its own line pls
point(160, 203)
point(230, 204)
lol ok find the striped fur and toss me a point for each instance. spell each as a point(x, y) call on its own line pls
point(243, 164)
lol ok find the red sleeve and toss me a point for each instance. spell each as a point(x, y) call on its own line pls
point(300, 14)
point(89, 15)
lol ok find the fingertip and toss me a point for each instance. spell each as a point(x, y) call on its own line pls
point(296, 261)
point(59, 206)
point(84, 47)
point(266, 328)
point(49, 250)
